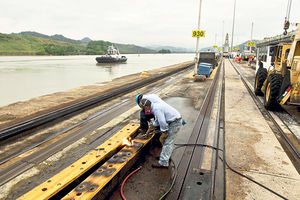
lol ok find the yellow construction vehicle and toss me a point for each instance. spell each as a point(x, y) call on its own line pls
point(293, 91)
point(278, 70)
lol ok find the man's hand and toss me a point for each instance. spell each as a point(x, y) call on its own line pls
point(150, 129)
point(162, 138)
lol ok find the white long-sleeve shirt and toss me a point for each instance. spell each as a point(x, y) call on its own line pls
point(153, 98)
point(164, 113)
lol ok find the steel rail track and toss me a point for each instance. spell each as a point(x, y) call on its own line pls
point(218, 166)
point(192, 156)
point(97, 119)
point(42, 119)
point(95, 116)
point(287, 143)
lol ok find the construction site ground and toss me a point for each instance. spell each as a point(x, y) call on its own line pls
point(251, 146)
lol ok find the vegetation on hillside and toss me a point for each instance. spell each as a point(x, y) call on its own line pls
point(130, 48)
point(56, 37)
point(12, 44)
point(164, 51)
point(33, 43)
point(98, 47)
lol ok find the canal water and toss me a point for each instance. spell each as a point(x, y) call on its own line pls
point(25, 77)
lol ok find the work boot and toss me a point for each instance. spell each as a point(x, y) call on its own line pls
point(158, 157)
point(157, 165)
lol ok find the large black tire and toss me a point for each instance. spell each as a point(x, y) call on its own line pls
point(272, 91)
point(260, 78)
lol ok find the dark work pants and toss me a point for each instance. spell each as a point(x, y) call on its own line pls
point(144, 120)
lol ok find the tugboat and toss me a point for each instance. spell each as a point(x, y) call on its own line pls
point(112, 56)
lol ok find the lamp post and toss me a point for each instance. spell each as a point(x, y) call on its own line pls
point(197, 45)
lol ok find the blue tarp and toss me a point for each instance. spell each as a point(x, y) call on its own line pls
point(204, 69)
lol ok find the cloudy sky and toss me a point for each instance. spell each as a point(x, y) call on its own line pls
point(147, 22)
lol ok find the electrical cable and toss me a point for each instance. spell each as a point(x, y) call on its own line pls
point(123, 183)
point(239, 173)
point(173, 182)
point(254, 181)
point(203, 145)
point(176, 172)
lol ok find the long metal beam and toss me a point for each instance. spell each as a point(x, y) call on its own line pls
point(61, 180)
point(105, 178)
point(184, 168)
point(197, 182)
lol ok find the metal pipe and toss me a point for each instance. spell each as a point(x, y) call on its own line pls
point(251, 36)
point(223, 34)
point(251, 30)
point(233, 26)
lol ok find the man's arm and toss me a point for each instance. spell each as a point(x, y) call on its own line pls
point(160, 117)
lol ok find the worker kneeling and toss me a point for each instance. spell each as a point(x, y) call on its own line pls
point(146, 117)
point(169, 120)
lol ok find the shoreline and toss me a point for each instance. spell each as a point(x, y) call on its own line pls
point(2, 55)
point(15, 112)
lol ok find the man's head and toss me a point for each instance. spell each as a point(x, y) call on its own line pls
point(138, 98)
point(146, 105)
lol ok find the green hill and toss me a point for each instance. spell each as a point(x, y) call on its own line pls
point(98, 47)
point(33, 43)
point(13, 44)
point(130, 48)
point(56, 37)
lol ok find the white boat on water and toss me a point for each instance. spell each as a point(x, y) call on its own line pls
point(112, 56)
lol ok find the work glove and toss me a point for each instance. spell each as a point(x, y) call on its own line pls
point(149, 131)
point(163, 137)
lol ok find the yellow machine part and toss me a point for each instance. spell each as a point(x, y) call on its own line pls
point(61, 180)
point(286, 97)
point(295, 80)
point(95, 183)
point(295, 94)
point(263, 88)
point(144, 74)
point(280, 55)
